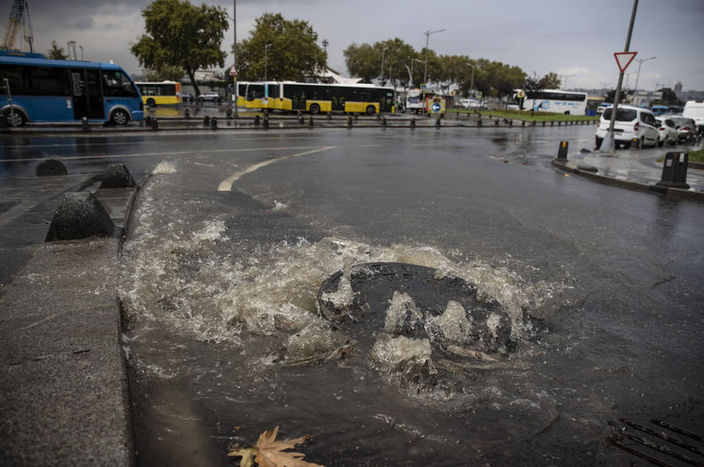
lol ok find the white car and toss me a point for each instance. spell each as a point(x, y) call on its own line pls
point(695, 111)
point(633, 126)
point(209, 97)
point(667, 131)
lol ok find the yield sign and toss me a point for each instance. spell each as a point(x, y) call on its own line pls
point(623, 59)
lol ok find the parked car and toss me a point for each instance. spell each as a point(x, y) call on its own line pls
point(686, 128)
point(471, 104)
point(209, 97)
point(633, 126)
point(667, 132)
point(601, 107)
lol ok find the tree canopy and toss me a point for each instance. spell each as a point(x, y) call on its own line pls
point(401, 60)
point(288, 50)
point(179, 34)
point(56, 52)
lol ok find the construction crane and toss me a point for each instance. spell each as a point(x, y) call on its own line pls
point(19, 15)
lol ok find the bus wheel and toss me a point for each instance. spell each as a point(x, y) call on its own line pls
point(371, 110)
point(14, 119)
point(151, 102)
point(119, 117)
point(314, 108)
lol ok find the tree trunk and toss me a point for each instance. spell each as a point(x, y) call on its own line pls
point(191, 74)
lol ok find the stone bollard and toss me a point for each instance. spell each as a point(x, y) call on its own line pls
point(523, 123)
point(562, 151)
point(214, 123)
point(329, 115)
point(544, 122)
point(349, 122)
point(310, 122)
point(510, 123)
point(148, 120)
point(552, 123)
point(51, 167)
point(79, 215)
point(84, 124)
point(532, 123)
point(187, 113)
point(116, 176)
point(206, 121)
point(479, 122)
point(496, 122)
point(356, 116)
point(674, 171)
point(437, 123)
point(265, 124)
point(256, 120)
point(300, 119)
point(155, 124)
point(383, 121)
point(228, 112)
point(413, 123)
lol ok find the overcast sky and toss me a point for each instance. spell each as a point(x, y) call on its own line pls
point(574, 38)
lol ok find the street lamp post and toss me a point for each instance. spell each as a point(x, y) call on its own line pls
point(427, 44)
point(266, 52)
point(234, 52)
point(381, 78)
point(640, 62)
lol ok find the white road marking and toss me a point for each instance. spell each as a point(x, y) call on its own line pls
point(226, 185)
point(151, 154)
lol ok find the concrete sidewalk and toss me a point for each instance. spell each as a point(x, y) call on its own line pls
point(630, 169)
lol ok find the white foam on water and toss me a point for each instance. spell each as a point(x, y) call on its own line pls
point(452, 326)
point(400, 353)
point(402, 311)
point(164, 168)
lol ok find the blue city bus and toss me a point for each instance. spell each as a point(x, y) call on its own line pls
point(43, 90)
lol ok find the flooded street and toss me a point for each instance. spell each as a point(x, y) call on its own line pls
point(546, 306)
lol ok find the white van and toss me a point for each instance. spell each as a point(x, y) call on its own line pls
point(695, 111)
point(634, 125)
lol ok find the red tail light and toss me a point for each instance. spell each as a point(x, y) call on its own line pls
point(661, 128)
point(685, 128)
point(635, 126)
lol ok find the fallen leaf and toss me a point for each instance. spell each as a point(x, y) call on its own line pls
point(567, 175)
point(269, 452)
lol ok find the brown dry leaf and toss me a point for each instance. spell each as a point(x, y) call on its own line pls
point(270, 453)
point(247, 456)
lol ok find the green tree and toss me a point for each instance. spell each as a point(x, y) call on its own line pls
point(289, 48)
point(56, 52)
point(362, 61)
point(179, 34)
point(365, 61)
point(164, 73)
point(550, 81)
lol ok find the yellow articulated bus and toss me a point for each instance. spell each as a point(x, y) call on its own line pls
point(160, 93)
point(315, 98)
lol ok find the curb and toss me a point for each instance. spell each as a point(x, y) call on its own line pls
point(629, 185)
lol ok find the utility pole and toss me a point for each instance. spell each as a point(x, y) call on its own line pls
point(427, 44)
point(607, 145)
point(266, 53)
point(381, 78)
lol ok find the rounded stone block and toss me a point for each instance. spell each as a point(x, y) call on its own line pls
point(50, 167)
point(79, 215)
point(116, 176)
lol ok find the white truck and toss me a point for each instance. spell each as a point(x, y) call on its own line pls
point(695, 111)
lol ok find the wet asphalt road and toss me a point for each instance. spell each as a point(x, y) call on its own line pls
point(616, 276)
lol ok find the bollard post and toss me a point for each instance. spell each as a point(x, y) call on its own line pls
point(533, 123)
point(413, 123)
point(310, 121)
point(300, 120)
point(155, 124)
point(349, 122)
point(510, 123)
point(496, 122)
point(329, 115)
point(562, 151)
point(214, 123)
point(228, 112)
point(206, 120)
point(187, 113)
point(256, 120)
point(383, 121)
point(674, 171)
point(479, 122)
point(543, 122)
point(148, 120)
point(266, 122)
point(84, 123)
point(523, 123)
point(356, 116)
point(437, 123)
point(552, 123)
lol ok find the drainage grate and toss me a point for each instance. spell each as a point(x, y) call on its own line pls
point(659, 442)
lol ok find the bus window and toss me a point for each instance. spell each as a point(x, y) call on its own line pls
point(46, 82)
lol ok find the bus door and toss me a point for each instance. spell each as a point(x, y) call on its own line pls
point(87, 95)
